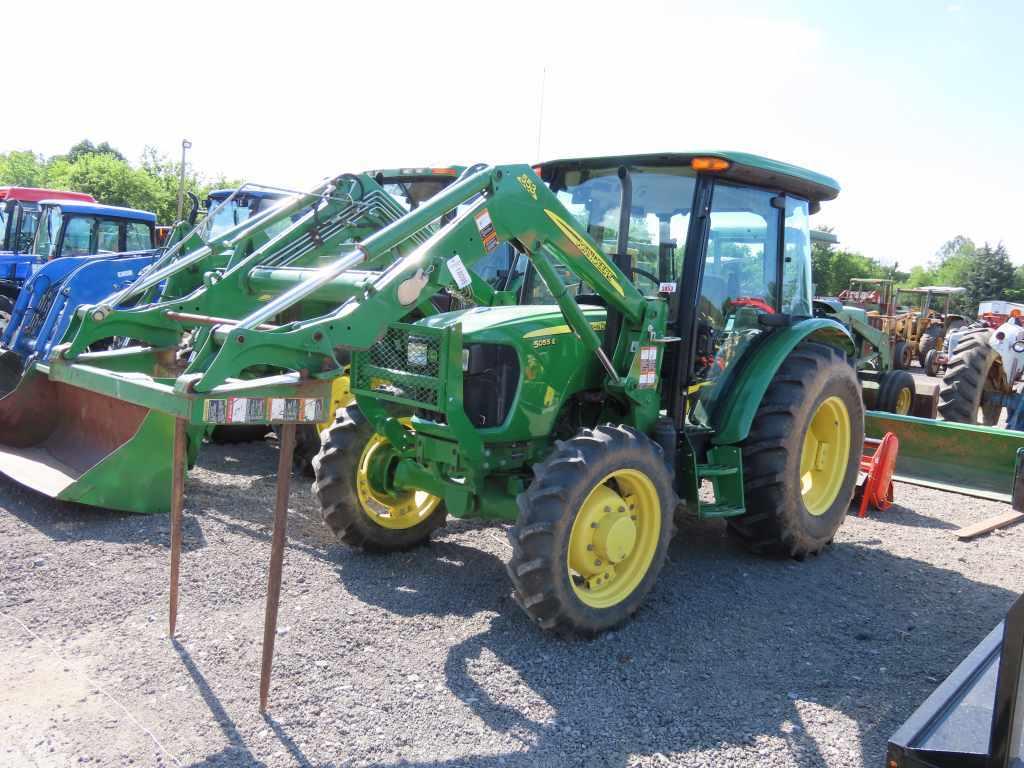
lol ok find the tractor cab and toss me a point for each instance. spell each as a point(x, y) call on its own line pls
point(413, 186)
point(742, 264)
point(240, 206)
point(71, 228)
point(19, 214)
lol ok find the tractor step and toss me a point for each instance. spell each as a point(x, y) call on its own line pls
point(724, 471)
point(716, 511)
point(716, 470)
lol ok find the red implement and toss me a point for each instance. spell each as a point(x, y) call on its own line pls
point(878, 464)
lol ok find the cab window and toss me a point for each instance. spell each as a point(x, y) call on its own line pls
point(796, 259)
point(78, 236)
point(107, 237)
point(26, 226)
point(138, 236)
point(47, 233)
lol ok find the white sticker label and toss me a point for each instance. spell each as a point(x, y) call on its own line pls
point(126, 273)
point(311, 410)
point(239, 410)
point(666, 287)
point(459, 272)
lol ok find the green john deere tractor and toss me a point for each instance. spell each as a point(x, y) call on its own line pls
point(658, 356)
point(662, 357)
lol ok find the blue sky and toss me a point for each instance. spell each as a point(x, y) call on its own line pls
point(914, 107)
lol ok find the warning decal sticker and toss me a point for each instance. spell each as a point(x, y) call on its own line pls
point(486, 228)
point(648, 368)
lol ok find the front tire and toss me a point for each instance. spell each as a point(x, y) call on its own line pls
point(901, 355)
point(6, 310)
point(930, 339)
point(593, 530)
point(802, 455)
point(360, 514)
point(896, 392)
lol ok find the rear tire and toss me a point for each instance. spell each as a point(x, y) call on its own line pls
point(339, 473)
point(896, 392)
point(593, 530)
point(973, 369)
point(782, 516)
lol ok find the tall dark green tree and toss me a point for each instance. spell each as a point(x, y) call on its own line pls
point(988, 275)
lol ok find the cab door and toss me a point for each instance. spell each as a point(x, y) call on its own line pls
point(740, 284)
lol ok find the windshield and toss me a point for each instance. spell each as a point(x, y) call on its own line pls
point(228, 216)
point(411, 192)
point(47, 233)
point(658, 221)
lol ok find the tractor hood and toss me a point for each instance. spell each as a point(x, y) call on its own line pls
point(524, 321)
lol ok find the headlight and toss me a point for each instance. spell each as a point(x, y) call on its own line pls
point(465, 359)
point(416, 353)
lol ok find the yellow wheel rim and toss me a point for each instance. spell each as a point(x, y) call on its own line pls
point(614, 538)
point(903, 400)
point(341, 397)
point(389, 510)
point(825, 455)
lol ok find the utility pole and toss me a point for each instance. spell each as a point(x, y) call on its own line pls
point(540, 112)
point(185, 145)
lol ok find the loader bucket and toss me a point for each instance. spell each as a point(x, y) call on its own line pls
point(962, 458)
point(72, 444)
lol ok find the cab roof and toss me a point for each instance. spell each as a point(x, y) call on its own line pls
point(96, 209)
point(411, 174)
point(269, 194)
point(35, 194)
point(743, 167)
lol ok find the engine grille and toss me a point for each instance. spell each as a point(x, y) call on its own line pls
point(404, 365)
point(37, 315)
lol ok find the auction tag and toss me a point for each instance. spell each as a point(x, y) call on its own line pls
point(459, 272)
point(666, 287)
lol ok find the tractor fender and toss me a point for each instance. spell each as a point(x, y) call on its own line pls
point(735, 412)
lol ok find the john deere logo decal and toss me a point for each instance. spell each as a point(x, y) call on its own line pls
point(587, 250)
point(528, 185)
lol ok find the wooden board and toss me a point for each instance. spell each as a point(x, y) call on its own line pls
point(985, 526)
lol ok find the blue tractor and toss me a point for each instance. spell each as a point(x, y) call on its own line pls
point(68, 232)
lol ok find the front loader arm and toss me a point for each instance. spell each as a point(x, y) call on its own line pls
point(344, 213)
point(499, 203)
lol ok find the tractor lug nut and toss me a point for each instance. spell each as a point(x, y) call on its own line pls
point(590, 547)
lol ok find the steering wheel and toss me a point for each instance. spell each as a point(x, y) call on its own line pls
point(644, 273)
point(752, 301)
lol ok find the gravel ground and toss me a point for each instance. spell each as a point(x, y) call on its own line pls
point(422, 659)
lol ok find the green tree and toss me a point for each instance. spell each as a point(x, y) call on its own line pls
point(86, 147)
point(109, 180)
point(23, 169)
point(832, 267)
